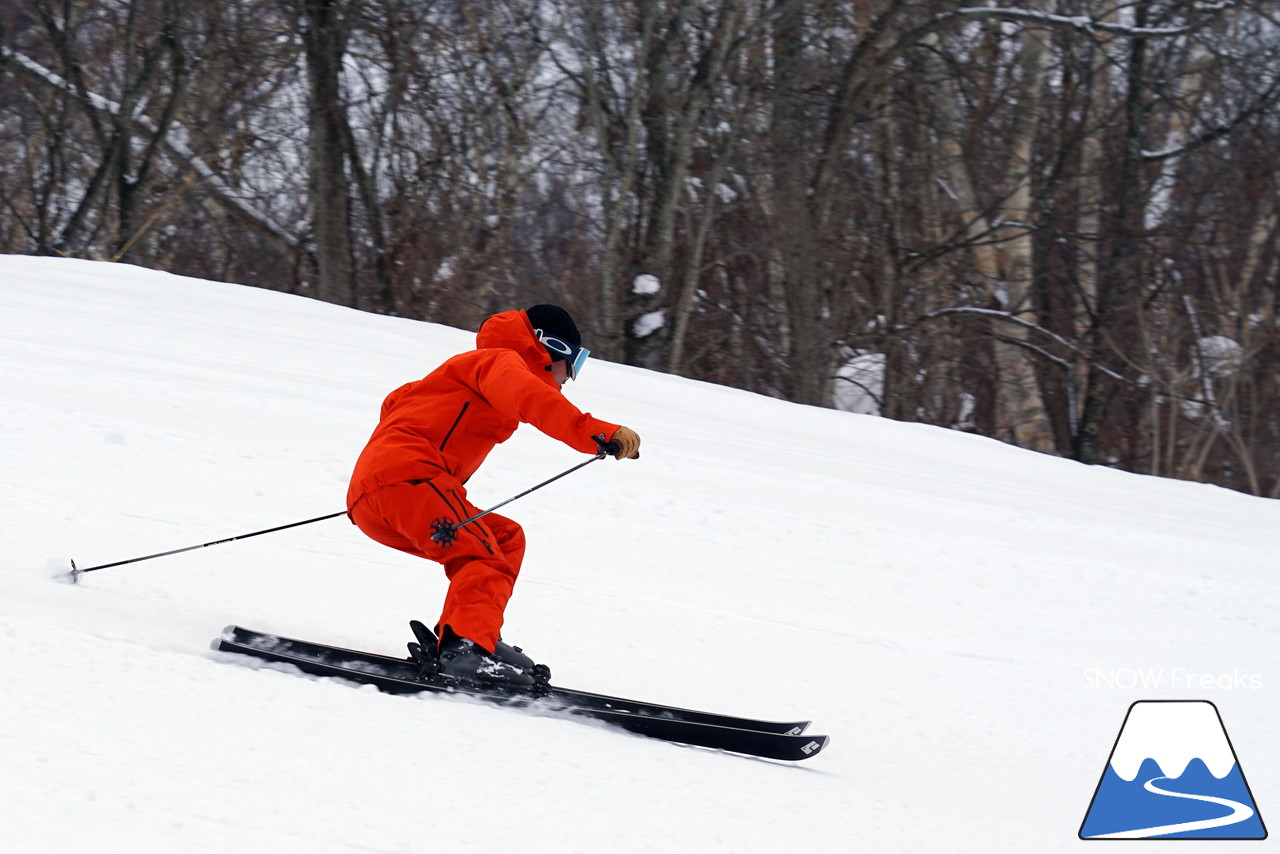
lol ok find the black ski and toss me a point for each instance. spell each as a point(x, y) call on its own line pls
point(400, 676)
point(407, 668)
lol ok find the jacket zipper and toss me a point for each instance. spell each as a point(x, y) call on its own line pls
point(456, 421)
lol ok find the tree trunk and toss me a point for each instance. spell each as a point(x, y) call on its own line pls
point(811, 357)
point(1116, 317)
point(672, 118)
point(324, 36)
point(1002, 244)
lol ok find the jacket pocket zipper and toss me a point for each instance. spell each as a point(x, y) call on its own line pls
point(456, 421)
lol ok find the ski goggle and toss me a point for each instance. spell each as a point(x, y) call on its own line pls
point(576, 357)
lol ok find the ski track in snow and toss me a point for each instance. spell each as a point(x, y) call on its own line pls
point(930, 599)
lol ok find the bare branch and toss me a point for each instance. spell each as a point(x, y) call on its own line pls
point(221, 192)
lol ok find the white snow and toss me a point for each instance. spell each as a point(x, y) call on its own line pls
point(859, 384)
point(649, 323)
point(1221, 355)
point(646, 283)
point(934, 601)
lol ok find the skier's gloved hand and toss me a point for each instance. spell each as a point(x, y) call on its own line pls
point(627, 443)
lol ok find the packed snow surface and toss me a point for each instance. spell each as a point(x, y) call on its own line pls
point(969, 622)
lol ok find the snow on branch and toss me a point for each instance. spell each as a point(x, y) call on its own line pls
point(1226, 350)
point(1079, 22)
point(1010, 317)
point(1265, 101)
point(222, 192)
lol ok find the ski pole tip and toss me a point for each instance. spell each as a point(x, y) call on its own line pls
point(71, 576)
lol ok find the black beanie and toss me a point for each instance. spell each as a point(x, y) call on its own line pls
point(554, 320)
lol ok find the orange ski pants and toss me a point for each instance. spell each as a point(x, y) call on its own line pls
point(482, 563)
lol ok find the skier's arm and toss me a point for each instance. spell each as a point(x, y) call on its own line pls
point(511, 388)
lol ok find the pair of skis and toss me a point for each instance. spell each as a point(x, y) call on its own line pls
point(783, 740)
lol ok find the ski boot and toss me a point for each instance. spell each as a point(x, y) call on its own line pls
point(515, 655)
point(459, 659)
point(464, 660)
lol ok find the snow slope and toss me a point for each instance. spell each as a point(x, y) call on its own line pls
point(968, 621)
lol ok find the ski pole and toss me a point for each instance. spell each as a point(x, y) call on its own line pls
point(76, 573)
point(445, 532)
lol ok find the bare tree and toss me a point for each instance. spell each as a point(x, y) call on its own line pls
point(125, 143)
point(1050, 221)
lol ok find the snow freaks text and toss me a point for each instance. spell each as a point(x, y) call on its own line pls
point(1169, 678)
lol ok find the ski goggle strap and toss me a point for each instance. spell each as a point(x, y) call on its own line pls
point(576, 357)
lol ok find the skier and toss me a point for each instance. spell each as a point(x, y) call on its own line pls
point(409, 482)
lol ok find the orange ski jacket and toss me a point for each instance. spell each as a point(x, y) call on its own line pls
point(451, 419)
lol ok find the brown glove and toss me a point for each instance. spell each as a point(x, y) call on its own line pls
point(628, 444)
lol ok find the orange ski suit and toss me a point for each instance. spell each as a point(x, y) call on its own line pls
point(432, 436)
